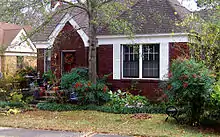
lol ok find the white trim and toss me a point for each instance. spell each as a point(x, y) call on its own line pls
point(68, 50)
point(60, 26)
point(80, 31)
point(141, 79)
point(21, 43)
point(141, 64)
point(117, 61)
point(142, 39)
point(20, 54)
point(164, 60)
point(140, 60)
point(141, 35)
point(42, 45)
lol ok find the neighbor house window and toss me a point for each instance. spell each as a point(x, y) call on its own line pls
point(47, 53)
point(141, 61)
point(20, 62)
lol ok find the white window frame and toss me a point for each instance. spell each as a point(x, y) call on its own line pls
point(140, 62)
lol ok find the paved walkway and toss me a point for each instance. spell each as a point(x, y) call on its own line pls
point(18, 132)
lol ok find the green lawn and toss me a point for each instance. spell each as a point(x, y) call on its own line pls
point(99, 122)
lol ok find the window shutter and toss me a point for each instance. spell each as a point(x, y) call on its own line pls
point(164, 60)
point(116, 61)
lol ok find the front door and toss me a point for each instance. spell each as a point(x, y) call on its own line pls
point(69, 61)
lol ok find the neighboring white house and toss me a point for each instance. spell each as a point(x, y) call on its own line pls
point(16, 51)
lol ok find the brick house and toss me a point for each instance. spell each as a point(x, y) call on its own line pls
point(15, 52)
point(145, 58)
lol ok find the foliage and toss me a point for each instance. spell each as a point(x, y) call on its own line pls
point(50, 77)
point(16, 97)
point(28, 70)
point(104, 108)
point(214, 111)
point(119, 100)
point(11, 104)
point(23, 12)
point(69, 79)
point(190, 87)
point(88, 93)
point(204, 37)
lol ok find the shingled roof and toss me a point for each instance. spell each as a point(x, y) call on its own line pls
point(9, 31)
point(160, 16)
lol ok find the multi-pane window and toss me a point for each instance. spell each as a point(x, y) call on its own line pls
point(141, 61)
point(131, 61)
point(20, 62)
point(150, 57)
point(47, 53)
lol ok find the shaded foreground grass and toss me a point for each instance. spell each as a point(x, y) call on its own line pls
point(93, 121)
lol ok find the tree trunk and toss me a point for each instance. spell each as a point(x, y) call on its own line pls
point(92, 48)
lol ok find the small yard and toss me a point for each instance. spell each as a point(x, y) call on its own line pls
point(93, 121)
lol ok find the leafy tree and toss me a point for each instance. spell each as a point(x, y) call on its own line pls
point(23, 12)
point(99, 12)
point(205, 34)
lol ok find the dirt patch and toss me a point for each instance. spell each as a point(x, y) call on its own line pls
point(141, 116)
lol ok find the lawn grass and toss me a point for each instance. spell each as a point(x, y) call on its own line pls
point(99, 122)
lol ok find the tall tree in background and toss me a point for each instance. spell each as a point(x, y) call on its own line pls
point(23, 12)
point(205, 34)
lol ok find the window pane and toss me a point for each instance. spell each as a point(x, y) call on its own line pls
point(130, 61)
point(150, 61)
point(48, 59)
point(20, 62)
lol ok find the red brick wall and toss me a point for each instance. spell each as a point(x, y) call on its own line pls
point(67, 39)
point(180, 49)
point(105, 66)
point(149, 87)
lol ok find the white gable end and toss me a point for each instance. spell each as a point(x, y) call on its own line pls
point(21, 44)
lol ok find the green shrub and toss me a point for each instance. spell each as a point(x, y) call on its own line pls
point(16, 97)
point(154, 109)
point(76, 74)
point(11, 104)
point(119, 100)
point(214, 111)
point(190, 87)
point(89, 93)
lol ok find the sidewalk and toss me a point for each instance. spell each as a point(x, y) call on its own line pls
point(19, 132)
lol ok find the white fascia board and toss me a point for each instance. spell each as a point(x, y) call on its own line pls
point(82, 34)
point(20, 54)
point(42, 45)
point(60, 26)
point(21, 43)
point(142, 39)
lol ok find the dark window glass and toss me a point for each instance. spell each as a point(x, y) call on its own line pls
point(47, 59)
point(131, 61)
point(150, 58)
point(20, 62)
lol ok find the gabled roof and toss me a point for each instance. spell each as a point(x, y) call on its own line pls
point(160, 16)
point(9, 31)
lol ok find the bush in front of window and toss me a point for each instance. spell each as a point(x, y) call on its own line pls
point(88, 93)
point(76, 74)
point(120, 100)
point(190, 87)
